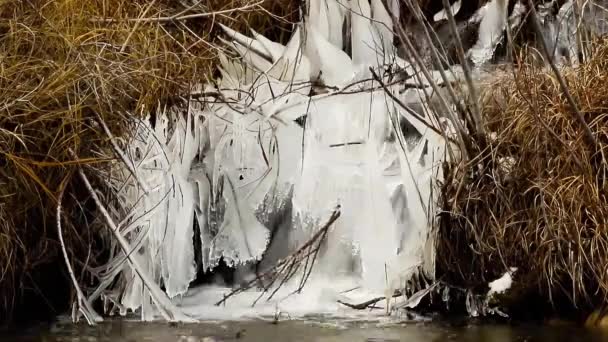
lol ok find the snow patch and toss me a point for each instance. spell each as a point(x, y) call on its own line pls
point(502, 284)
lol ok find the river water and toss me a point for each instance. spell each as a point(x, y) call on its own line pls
point(331, 331)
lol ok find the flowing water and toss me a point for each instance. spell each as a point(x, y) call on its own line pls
point(263, 331)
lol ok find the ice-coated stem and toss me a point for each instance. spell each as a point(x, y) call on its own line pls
point(83, 304)
point(465, 67)
point(167, 309)
point(122, 156)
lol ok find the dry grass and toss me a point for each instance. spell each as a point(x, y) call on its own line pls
point(534, 196)
point(63, 65)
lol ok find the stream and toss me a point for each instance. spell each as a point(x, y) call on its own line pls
point(301, 330)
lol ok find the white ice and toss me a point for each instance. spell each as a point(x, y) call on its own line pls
point(216, 164)
point(503, 283)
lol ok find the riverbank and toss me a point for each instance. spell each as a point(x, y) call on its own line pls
point(74, 76)
point(533, 196)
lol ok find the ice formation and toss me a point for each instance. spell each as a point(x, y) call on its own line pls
point(503, 283)
point(491, 27)
point(308, 125)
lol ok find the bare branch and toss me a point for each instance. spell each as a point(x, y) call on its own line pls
point(128, 163)
point(311, 247)
point(465, 66)
point(82, 304)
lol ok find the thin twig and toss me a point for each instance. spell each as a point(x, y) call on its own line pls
point(128, 163)
point(402, 105)
point(136, 26)
point(179, 16)
point(434, 52)
point(289, 262)
point(465, 66)
point(82, 304)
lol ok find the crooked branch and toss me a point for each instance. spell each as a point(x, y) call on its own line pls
point(287, 267)
point(82, 304)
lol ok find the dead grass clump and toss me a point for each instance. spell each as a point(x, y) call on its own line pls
point(67, 66)
point(535, 194)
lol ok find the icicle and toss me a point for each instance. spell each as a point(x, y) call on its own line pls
point(567, 47)
point(327, 17)
point(473, 305)
point(335, 67)
point(262, 48)
point(241, 237)
point(275, 50)
point(441, 15)
point(493, 23)
point(254, 60)
point(233, 74)
point(366, 42)
point(383, 23)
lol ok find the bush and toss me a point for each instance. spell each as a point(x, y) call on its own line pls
point(534, 194)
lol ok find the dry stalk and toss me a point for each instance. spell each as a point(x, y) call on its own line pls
point(66, 82)
point(577, 113)
point(82, 304)
point(181, 16)
point(535, 198)
point(120, 153)
point(465, 66)
point(418, 61)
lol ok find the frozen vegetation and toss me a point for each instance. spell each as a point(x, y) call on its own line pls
point(255, 164)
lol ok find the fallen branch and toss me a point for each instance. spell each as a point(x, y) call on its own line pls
point(364, 305)
point(371, 302)
point(410, 302)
